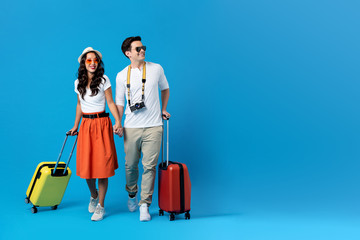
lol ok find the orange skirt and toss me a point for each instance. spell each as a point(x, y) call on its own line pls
point(96, 153)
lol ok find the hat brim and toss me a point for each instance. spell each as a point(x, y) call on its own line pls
point(92, 50)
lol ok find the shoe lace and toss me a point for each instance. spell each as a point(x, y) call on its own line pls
point(98, 210)
point(144, 208)
point(93, 200)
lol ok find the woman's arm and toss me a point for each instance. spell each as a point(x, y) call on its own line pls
point(77, 117)
point(114, 111)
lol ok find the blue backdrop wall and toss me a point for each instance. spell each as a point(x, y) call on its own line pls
point(264, 98)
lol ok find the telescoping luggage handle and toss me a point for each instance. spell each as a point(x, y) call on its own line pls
point(167, 143)
point(62, 149)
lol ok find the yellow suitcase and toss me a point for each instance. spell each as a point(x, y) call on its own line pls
point(49, 182)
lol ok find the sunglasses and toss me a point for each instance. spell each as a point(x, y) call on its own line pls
point(138, 49)
point(88, 61)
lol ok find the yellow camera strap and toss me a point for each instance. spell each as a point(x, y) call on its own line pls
point(143, 82)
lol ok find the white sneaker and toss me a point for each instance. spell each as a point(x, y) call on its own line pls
point(93, 203)
point(133, 203)
point(144, 213)
point(99, 213)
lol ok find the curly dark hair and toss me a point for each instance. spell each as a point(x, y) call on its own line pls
point(83, 76)
point(126, 45)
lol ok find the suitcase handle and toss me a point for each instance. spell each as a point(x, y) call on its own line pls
point(62, 149)
point(167, 141)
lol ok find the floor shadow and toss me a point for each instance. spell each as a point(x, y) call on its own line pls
point(63, 205)
point(117, 209)
point(71, 204)
point(197, 215)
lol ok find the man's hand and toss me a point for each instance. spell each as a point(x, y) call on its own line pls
point(118, 129)
point(165, 115)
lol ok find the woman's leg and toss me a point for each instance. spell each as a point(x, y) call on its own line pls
point(92, 187)
point(103, 185)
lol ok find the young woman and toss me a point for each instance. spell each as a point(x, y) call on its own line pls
point(96, 155)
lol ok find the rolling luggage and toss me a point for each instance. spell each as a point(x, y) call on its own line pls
point(174, 185)
point(49, 182)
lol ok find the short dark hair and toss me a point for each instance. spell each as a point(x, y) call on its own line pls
point(126, 45)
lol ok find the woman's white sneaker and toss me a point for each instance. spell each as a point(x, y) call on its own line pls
point(144, 213)
point(99, 213)
point(93, 203)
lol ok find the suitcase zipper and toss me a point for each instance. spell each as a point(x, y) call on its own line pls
point(182, 188)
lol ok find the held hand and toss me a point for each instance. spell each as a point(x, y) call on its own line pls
point(118, 129)
point(73, 131)
point(167, 115)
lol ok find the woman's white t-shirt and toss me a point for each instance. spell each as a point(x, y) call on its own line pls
point(92, 104)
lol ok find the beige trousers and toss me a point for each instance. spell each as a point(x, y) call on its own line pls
point(148, 142)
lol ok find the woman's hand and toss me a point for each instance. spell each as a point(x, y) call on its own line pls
point(118, 129)
point(73, 131)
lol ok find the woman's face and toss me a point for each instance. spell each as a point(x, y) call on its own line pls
point(91, 62)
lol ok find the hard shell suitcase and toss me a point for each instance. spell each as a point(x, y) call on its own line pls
point(174, 186)
point(49, 182)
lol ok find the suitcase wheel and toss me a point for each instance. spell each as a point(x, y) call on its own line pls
point(172, 217)
point(34, 209)
point(187, 215)
point(161, 212)
point(54, 207)
point(27, 200)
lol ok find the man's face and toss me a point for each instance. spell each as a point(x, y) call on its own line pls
point(133, 54)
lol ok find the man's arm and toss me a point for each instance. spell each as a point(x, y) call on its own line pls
point(165, 94)
point(120, 110)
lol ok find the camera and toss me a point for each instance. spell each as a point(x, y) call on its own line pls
point(137, 106)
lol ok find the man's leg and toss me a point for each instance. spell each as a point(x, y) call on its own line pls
point(132, 146)
point(151, 143)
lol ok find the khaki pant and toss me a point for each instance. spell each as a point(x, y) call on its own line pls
point(148, 142)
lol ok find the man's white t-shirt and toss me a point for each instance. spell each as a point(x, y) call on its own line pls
point(92, 104)
point(150, 116)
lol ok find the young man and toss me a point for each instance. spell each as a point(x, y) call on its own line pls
point(140, 83)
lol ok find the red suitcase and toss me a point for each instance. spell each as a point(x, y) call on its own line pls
point(174, 186)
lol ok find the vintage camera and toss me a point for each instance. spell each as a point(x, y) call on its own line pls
point(137, 106)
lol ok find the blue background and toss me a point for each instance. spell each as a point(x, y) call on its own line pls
point(264, 103)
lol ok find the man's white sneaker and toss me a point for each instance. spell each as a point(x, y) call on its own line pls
point(93, 203)
point(99, 213)
point(133, 203)
point(144, 213)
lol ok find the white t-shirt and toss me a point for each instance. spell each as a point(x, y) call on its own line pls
point(150, 116)
point(92, 104)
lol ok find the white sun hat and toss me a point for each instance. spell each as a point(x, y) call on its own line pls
point(87, 50)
